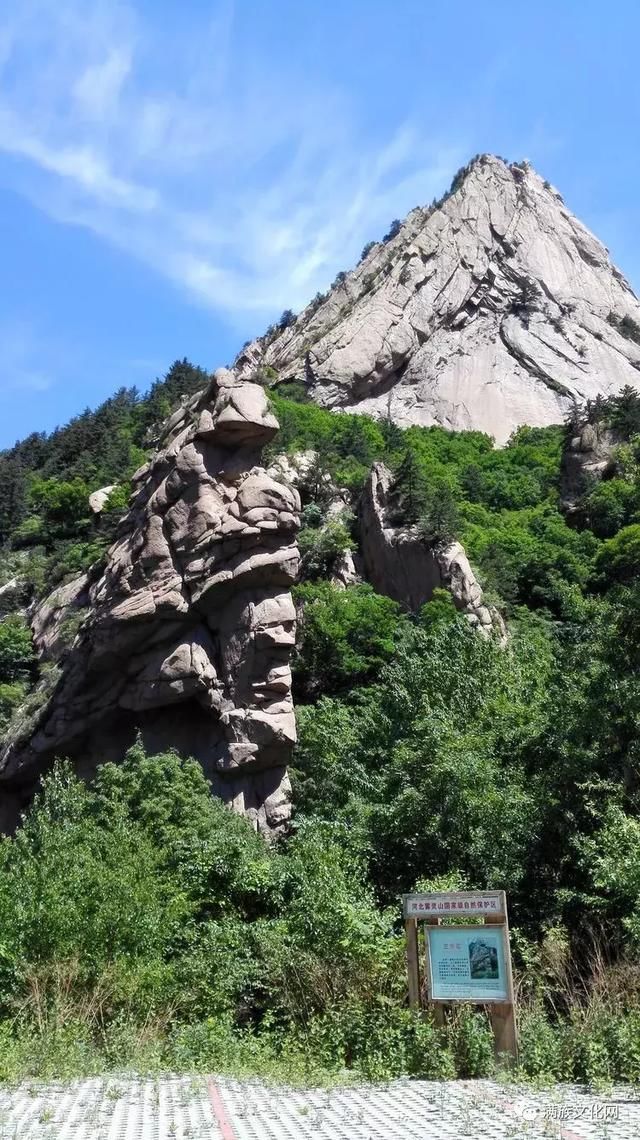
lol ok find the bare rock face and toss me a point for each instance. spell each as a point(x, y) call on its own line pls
point(492, 309)
point(345, 572)
point(399, 563)
point(54, 620)
point(99, 499)
point(186, 634)
point(9, 596)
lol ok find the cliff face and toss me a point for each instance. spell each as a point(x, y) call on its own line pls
point(399, 563)
point(186, 634)
point(494, 309)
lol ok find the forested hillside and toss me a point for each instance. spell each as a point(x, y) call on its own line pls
point(143, 923)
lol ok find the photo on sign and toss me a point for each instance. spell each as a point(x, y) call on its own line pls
point(483, 958)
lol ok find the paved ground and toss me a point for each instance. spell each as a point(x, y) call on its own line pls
point(181, 1108)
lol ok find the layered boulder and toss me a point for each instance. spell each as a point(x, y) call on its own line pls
point(184, 634)
point(492, 308)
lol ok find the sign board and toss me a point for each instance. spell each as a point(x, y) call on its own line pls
point(467, 963)
point(466, 936)
point(455, 904)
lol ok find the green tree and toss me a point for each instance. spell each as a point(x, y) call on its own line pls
point(320, 546)
point(17, 657)
point(619, 558)
point(393, 231)
point(345, 636)
point(410, 489)
point(64, 506)
point(439, 519)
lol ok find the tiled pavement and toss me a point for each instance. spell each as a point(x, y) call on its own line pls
point(184, 1108)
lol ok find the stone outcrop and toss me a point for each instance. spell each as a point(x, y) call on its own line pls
point(54, 620)
point(99, 499)
point(184, 634)
point(491, 309)
point(587, 457)
point(344, 572)
point(401, 564)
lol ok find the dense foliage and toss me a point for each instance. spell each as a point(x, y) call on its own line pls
point(45, 480)
point(141, 922)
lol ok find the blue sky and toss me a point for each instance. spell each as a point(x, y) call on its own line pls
point(174, 174)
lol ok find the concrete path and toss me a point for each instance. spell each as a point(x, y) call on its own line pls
point(183, 1108)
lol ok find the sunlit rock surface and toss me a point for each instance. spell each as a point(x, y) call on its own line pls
point(494, 309)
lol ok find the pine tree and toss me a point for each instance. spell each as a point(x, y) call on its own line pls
point(410, 488)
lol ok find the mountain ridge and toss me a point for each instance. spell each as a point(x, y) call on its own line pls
point(491, 308)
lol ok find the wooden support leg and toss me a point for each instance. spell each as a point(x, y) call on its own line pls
point(413, 968)
point(503, 1024)
point(439, 1014)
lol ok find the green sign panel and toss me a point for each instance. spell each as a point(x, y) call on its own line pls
point(467, 963)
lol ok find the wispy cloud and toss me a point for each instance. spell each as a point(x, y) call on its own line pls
point(22, 369)
point(246, 186)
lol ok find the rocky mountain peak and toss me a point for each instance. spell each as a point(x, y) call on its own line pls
point(491, 308)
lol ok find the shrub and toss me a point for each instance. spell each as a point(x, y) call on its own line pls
point(17, 657)
point(471, 1043)
point(619, 558)
point(11, 697)
point(393, 231)
point(346, 635)
point(320, 548)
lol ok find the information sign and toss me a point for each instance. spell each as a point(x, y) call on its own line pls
point(467, 956)
point(467, 963)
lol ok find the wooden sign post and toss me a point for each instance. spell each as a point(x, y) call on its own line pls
point(465, 960)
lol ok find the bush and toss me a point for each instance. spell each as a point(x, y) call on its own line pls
point(619, 558)
point(320, 548)
point(11, 697)
point(346, 635)
point(471, 1043)
point(17, 657)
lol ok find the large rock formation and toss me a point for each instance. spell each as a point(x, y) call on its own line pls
point(492, 309)
point(186, 632)
point(401, 564)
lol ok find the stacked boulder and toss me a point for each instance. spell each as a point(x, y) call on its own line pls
point(189, 624)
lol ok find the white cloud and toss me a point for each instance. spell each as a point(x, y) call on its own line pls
point(21, 361)
point(245, 185)
point(97, 90)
